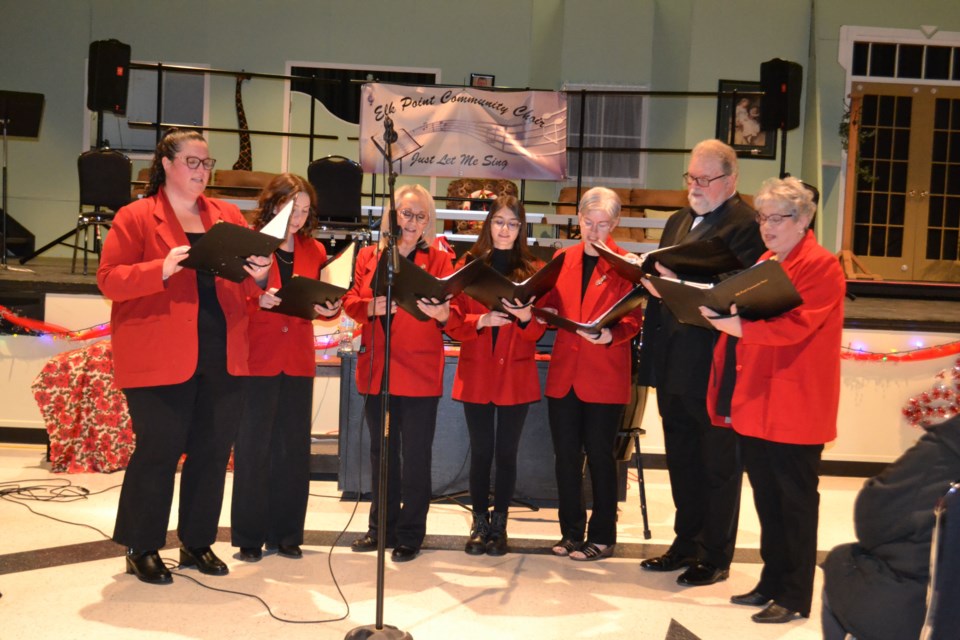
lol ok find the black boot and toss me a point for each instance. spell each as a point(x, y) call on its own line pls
point(497, 540)
point(477, 544)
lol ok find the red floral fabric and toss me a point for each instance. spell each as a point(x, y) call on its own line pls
point(85, 413)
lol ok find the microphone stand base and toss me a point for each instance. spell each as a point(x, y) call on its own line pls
point(370, 631)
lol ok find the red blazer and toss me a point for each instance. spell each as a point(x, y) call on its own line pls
point(154, 323)
point(788, 367)
point(505, 373)
point(596, 373)
point(416, 366)
point(280, 343)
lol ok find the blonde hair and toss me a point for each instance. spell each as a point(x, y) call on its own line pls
point(429, 231)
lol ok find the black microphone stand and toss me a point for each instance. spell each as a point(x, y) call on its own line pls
point(379, 631)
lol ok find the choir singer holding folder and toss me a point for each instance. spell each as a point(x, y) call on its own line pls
point(588, 383)
point(776, 382)
point(271, 479)
point(496, 377)
point(179, 343)
point(416, 375)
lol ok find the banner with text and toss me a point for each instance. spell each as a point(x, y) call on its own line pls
point(465, 132)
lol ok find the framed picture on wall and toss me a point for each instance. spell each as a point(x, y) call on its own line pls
point(481, 80)
point(738, 120)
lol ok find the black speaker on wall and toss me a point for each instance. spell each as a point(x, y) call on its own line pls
point(108, 76)
point(780, 81)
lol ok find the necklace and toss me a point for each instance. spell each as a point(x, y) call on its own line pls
point(281, 258)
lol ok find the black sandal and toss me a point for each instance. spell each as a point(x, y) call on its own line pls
point(564, 547)
point(592, 552)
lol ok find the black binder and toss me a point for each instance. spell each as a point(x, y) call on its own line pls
point(760, 292)
point(490, 286)
point(300, 294)
point(223, 250)
point(620, 308)
point(412, 282)
point(699, 259)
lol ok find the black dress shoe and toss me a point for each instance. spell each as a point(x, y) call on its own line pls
point(289, 550)
point(669, 561)
point(752, 599)
point(702, 574)
point(148, 567)
point(250, 554)
point(204, 559)
point(774, 614)
point(404, 553)
point(367, 543)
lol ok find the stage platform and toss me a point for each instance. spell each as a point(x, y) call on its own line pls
point(879, 305)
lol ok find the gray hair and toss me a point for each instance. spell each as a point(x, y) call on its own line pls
point(721, 152)
point(601, 198)
point(787, 194)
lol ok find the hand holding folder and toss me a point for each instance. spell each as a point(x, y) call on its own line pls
point(620, 308)
point(412, 283)
point(299, 296)
point(489, 287)
point(762, 291)
point(700, 259)
point(224, 249)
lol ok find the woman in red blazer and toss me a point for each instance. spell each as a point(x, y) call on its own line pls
point(271, 479)
point(179, 341)
point(416, 375)
point(588, 383)
point(496, 375)
point(776, 382)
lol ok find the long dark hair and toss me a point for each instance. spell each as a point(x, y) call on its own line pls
point(168, 147)
point(282, 188)
point(523, 263)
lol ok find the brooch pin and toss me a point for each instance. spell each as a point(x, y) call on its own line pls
point(601, 280)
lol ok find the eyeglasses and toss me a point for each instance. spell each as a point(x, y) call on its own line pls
point(500, 223)
point(194, 162)
point(775, 218)
point(409, 215)
point(599, 226)
point(700, 180)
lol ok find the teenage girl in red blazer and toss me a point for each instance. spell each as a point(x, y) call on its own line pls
point(416, 375)
point(271, 479)
point(496, 375)
point(588, 383)
point(179, 341)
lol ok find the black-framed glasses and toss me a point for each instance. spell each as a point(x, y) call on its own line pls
point(701, 181)
point(775, 218)
point(194, 162)
point(409, 215)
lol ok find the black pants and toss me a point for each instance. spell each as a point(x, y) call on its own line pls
point(494, 434)
point(784, 478)
point(588, 429)
point(271, 478)
point(706, 474)
point(198, 417)
point(413, 422)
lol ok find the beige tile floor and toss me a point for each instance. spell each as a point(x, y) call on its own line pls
point(60, 580)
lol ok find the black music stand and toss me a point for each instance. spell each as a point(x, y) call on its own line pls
point(19, 116)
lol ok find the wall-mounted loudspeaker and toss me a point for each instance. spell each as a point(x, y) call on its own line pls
point(781, 83)
point(108, 75)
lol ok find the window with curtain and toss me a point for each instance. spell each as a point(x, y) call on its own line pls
point(610, 122)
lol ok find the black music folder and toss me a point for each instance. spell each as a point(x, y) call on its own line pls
point(223, 250)
point(490, 286)
point(412, 282)
point(760, 292)
point(300, 294)
point(699, 259)
point(620, 308)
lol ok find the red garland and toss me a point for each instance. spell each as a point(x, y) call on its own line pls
point(926, 353)
point(939, 403)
